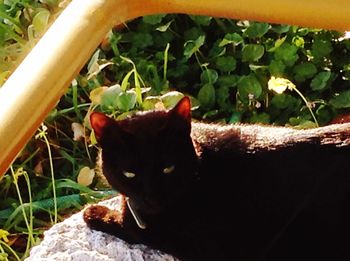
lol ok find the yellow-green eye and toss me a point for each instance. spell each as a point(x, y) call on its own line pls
point(129, 174)
point(169, 169)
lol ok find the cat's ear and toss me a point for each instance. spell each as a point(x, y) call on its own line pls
point(99, 122)
point(183, 109)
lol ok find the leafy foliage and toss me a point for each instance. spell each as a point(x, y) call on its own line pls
point(22, 22)
point(224, 65)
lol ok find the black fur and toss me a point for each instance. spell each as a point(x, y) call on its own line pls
point(236, 192)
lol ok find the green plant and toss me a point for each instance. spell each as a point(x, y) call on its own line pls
point(28, 219)
point(224, 66)
point(279, 85)
point(4, 245)
point(22, 22)
point(43, 135)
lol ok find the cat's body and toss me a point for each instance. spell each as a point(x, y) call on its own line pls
point(235, 192)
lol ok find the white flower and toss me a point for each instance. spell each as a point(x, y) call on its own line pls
point(279, 85)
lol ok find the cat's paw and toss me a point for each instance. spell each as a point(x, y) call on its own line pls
point(102, 218)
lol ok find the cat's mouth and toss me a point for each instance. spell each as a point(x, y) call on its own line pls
point(135, 214)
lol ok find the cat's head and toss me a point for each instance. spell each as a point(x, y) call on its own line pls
point(149, 157)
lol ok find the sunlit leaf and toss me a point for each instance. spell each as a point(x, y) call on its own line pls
point(86, 176)
point(233, 38)
point(164, 28)
point(170, 99)
point(40, 20)
point(256, 30)
point(126, 100)
point(96, 94)
point(191, 46)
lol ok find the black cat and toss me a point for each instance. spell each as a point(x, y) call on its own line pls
point(226, 192)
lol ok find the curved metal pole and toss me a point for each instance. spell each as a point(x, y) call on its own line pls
point(43, 77)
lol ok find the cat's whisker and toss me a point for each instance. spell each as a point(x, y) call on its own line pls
point(137, 218)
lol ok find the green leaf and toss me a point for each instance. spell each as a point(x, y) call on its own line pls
point(277, 44)
point(235, 117)
point(50, 2)
point(206, 96)
point(191, 46)
point(223, 98)
point(170, 99)
point(323, 114)
point(40, 20)
point(149, 103)
point(305, 124)
point(277, 68)
point(282, 101)
point(304, 71)
point(320, 81)
point(298, 41)
point(126, 100)
point(96, 69)
point(226, 63)
point(153, 19)
point(93, 63)
point(193, 33)
point(303, 31)
point(233, 38)
point(109, 97)
point(280, 29)
point(125, 81)
point(217, 50)
point(287, 53)
point(252, 52)
point(180, 69)
point(260, 118)
point(201, 20)
point(321, 48)
point(228, 80)
point(341, 101)
point(142, 40)
point(256, 30)
point(209, 76)
point(164, 28)
point(3, 76)
point(249, 88)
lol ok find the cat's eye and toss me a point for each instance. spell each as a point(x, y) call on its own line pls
point(169, 169)
point(129, 174)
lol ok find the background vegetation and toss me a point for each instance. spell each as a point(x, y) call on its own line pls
point(225, 66)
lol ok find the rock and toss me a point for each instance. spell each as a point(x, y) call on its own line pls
point(72, 240)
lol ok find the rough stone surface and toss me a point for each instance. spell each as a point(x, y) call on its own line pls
point(72, 240)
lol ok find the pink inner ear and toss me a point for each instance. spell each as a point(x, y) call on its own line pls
point(183, 108)
point(98, 122)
